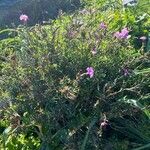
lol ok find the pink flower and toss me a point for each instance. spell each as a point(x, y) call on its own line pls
point(90, 71)
point(123, 34)
point(71, 34)
point(94, 51)
point(104, 124)
point(24, 18)
point(103, 25)
point(117, 35)
point(126, 72)
point(143, 38)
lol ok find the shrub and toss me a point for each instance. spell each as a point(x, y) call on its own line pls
point(55, 104)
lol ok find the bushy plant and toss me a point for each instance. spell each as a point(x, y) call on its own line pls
point(78, 83)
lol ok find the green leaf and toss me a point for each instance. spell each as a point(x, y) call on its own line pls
point(7, 131)
point(143, 71)
point(87, 134)
point(132, 102)
point(143, 147)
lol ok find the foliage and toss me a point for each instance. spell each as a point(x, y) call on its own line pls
point(54, 104)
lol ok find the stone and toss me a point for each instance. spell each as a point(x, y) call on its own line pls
point(37, 10)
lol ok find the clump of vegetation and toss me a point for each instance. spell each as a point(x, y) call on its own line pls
point(79, 83)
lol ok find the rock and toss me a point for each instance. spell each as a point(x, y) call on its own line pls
point(37, 10)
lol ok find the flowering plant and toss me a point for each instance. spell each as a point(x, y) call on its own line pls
point(64, 86)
